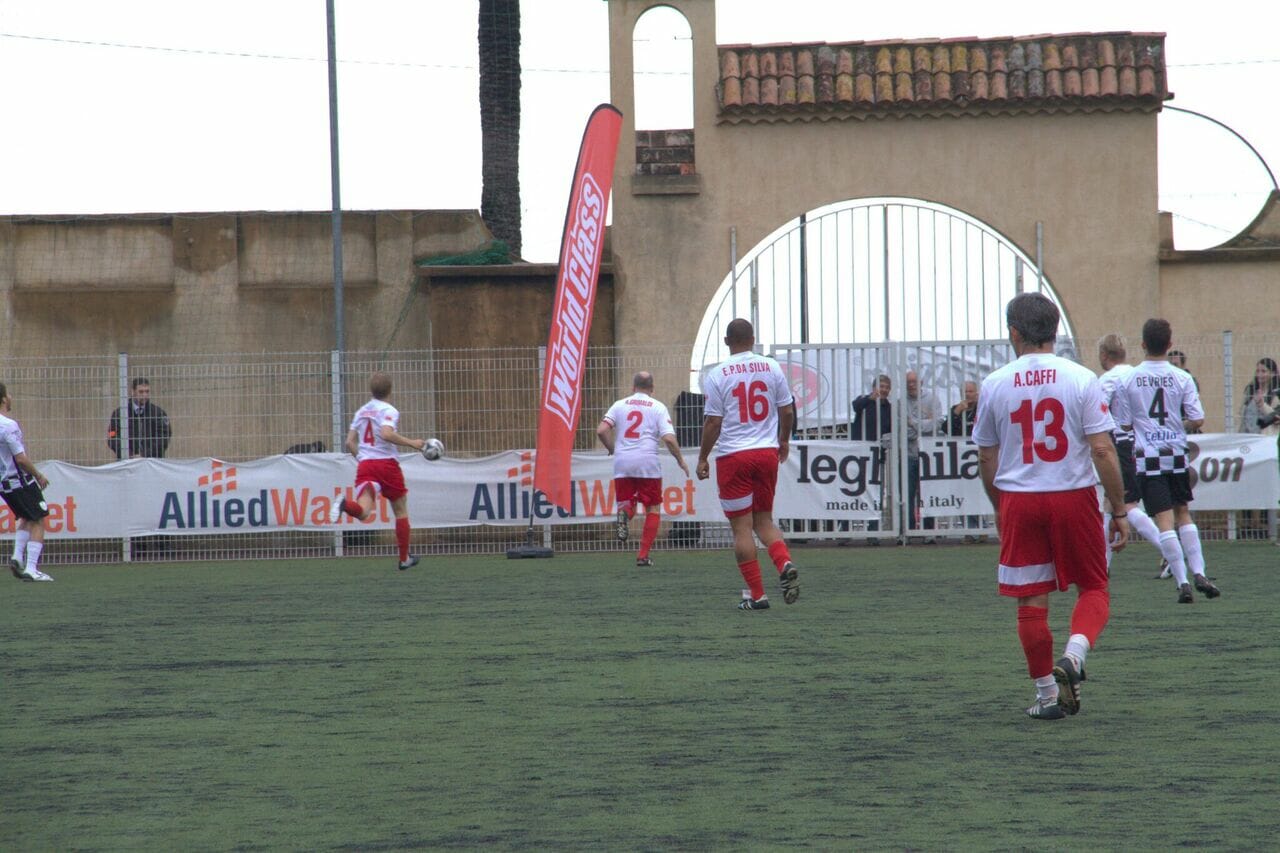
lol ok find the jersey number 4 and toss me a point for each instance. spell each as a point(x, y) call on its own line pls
point(753, 405)
point(368, 432)
point(1026, 418)
point(1158, 412)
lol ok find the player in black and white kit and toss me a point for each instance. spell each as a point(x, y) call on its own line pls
point(1160, 404)
point(1112, 354)
point(21, 485)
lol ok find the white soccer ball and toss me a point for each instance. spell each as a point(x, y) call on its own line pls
point(433, 449)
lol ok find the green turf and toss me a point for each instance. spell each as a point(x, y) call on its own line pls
point(582, 702)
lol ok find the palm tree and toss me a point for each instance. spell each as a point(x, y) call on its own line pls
point(499, 40)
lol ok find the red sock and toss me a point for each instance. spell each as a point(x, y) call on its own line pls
point(352, 508)
point(751, 574)
point(779, 554)
point(651, 520)
point(1037, 640)
point(402, 538)
point(1090, 615)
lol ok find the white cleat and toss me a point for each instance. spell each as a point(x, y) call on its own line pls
point(335, 513)
point(35, 575)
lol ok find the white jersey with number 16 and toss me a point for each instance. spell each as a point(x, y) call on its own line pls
point(1039, 409)
point(746, 391)
point(368, 424)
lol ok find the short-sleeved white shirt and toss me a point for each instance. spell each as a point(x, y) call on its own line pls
point(368, 424)
point(746, 390)
point(1039, 409)
point(639, 422)
point(10, 446)
point(1111, 382)
point(1154, 399)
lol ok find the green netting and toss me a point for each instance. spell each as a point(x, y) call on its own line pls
point(496, 252)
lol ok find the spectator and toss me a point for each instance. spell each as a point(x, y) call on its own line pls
point(960, 425)
point(872, 420)
point(1261, 410)
point(149, 431)
point(924, 413)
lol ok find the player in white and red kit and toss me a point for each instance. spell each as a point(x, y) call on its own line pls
point(1042, 431)
point(1160, 403)
point(631, 431)
point(373, 439)
point(747, 419)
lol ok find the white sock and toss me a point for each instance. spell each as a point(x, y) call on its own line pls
point(1077, 649)
point(1189, 535)
point(20, 540)
point(1143, 525)
point(1171, 548)
point(1047, 689)
point(33, 555)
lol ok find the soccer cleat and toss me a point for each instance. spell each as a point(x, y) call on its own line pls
point(1043, 711)
point(644, 561)
point(1206, 587)
point(761, 603)
point(35, 575)
point(16, 568)
point(335, 512)
point(408, 564)
point(1165, 572)
point(1067, 674)
point(623, 527)
point(1184, 594)
point(789, 580)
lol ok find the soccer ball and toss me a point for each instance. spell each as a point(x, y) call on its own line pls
point(433, 449)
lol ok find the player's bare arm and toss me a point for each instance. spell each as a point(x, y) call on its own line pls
point(988, 464)
point(710, 435)
point(786, 420)
point(674, 447)
point(352, 442)
point(1190, 426)
point(604, 432)
point(388, 433)
point(1107, 464)
point(21, 460)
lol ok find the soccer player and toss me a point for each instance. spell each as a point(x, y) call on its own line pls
point(21, 486)
point(1042, 431)
point(748, 417)
point(637, 473)
point(373, 439)
point(1112, 354)
point(1160, 404)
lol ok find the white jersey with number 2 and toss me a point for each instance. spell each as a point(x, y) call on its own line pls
point(746, 391)
point(1039, 409)
point(639, 423)
point(368, 424)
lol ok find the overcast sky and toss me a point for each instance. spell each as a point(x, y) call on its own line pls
point(149, 106)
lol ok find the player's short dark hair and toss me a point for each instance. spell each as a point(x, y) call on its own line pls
point(643, 380)
point(380, 385)
point(4, 392)
point(139, 380)
point(1035, 317)
point(739, 331)
point(1156, 335)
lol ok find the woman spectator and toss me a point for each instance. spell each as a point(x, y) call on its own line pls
point(1261, 410)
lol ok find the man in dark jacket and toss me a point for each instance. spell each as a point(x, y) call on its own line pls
point(872, 412)
point(149, 430)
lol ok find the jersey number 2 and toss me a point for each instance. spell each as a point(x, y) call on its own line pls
point(1024, 417)
point(634, 419)
point(753, 405)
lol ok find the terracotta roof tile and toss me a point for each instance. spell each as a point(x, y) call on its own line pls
point(1070, 72)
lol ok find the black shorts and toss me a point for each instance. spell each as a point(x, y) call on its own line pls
point(1128, 471)
point(1165, 491)
point(26, 501)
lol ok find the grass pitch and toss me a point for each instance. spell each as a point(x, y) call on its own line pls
point(582, 702)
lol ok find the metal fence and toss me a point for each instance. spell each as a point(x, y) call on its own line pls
point(237, 407)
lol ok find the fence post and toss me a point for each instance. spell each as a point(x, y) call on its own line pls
point(335, 405)
point(122, 400)
point(1228, 402)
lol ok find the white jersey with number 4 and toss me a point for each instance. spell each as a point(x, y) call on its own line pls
point(746, 391)
point(1155, 398)
point(639, 423)
point(368, 424)
point(1039, 409)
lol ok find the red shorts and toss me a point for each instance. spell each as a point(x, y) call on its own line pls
point(747, 481)
point(646, 491)
point(383, 476)
point(1049, 540)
